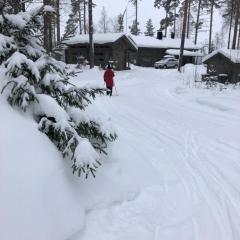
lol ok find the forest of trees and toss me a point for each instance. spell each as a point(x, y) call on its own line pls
point(199, 18)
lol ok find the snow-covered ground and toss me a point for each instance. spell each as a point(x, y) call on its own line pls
point(172, 174)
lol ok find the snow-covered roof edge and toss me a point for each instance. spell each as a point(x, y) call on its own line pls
point(165, 43)
point(232, 54)
point(100, 39)
point(185, 53)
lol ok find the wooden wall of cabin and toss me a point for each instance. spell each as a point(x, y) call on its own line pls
point(236, 73)
point(146, 57)
point(102, 54)
point(220, 65)
point(72, 52)
point(120, 54)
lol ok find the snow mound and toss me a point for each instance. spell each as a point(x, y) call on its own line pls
point(37, 200)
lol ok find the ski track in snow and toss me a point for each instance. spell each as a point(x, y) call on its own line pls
point(190, 141)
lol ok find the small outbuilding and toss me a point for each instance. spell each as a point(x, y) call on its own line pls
point(224, 63)
point(151, 49)
point(109, 47)
point(194, 57)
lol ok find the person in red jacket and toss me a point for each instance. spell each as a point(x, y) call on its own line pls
point(108, 79)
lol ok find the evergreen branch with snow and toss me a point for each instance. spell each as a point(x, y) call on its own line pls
point(38, 83)
point(98, 138)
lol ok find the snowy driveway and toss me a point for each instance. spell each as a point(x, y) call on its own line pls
point(174, 172)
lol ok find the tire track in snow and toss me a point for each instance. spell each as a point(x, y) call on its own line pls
point(215, 190)
point(175, 144)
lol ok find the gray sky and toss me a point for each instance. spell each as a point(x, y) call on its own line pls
point(146, 11)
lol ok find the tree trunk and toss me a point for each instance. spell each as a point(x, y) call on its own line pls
point(183, 35)
point(210, 32)
point(188, 20)
point(84, 17)
point(47, 29)
point(238, 45)
point(235, 25)
point(58, 21)
point(50, 35)
point(2, 4)
point(23, 7)
point(80, 18)
point(166, 25)
point(230, 27)
point(136, 25)
point(91, 44)
point(174, 23)
point(197, 23)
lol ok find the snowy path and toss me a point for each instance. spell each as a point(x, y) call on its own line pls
point(177, 157)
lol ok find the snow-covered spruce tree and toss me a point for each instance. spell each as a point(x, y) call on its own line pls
point(120, 27)
point(149, 28)
point(38, 84)
point(134, 29)
point(71, 27)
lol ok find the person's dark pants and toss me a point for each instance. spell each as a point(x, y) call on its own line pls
point(109, 91)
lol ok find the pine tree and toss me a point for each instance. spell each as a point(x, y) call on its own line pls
point(104, 22)
point(71, 27)
point(134, 29)
point(38, 84)
point(170, 10)
point(120, 27)
point(73, 20)
point(149, 28)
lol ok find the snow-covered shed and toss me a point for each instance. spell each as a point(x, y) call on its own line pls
point(151, 49)
point(108, 47)
point(224, 61)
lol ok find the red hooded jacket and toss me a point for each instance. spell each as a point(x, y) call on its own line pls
point(108, 77)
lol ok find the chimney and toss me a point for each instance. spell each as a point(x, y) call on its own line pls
point(172, 35)
point(159, 35)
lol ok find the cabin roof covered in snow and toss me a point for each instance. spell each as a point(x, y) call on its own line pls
point(137, 41)
point(99, 38)
point(176, 52)
point(232, 54)
point(152, 42)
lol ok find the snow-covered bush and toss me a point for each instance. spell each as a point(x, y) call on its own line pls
point(38, 84)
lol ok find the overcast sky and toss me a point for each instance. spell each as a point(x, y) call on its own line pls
point(146, 11)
